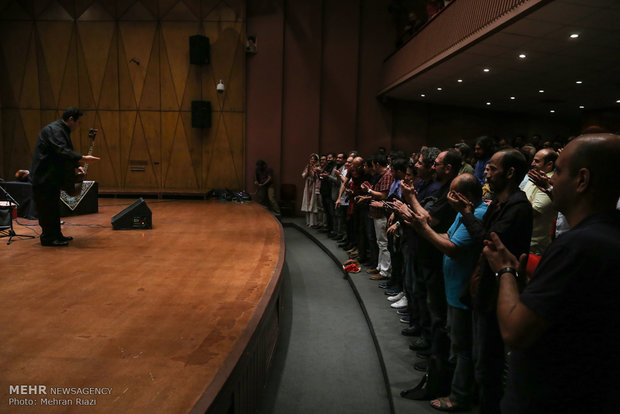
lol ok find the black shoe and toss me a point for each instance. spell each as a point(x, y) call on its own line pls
point(411, 331)
point(420, 344)
point(65, 238)
point(54, 243)
point(332, 235)
point(421, 366)
point(419, 392)
point(423, 354)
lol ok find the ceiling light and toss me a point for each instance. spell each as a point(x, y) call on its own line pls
point(486, 70)
point(422, 95)
point(439, 89)
point(552, 111)
point(522, 56)
point(579, 82)
point(512, 98)
point(581, 106)
point(488, 103)
point(460, 81)
point(541, 91)
point(618, 101)
point(574, 35)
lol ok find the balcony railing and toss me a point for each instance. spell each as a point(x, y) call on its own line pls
point(455, 27)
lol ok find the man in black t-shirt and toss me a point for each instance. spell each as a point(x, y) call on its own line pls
point(563, 328)
point(510, 216)
point(429, 260)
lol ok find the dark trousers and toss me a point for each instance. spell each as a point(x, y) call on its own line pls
point(328, 208)
point(47, 201)
point(488, 353)
point(372, 242)
point(360, 220)
point(350, 226)
point(437, 307)
point(459, 322)
point(409, 272)
point(419, 306)
point(395, 247)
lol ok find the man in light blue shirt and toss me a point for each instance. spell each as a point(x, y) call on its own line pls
point(461, 254)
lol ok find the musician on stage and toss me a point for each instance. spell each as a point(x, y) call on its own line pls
point(53, 163)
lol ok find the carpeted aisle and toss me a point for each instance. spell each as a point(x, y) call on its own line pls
point(325, 361)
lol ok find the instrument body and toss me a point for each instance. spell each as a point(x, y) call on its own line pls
point(74, 186)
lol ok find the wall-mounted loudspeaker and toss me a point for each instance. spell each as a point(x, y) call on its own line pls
point(201, 114)
point(199, 50)
point(135, 217)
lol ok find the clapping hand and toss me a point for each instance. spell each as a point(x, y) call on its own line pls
point(500, 257)
point(539, 179)
point(407, 189)
point(421, 221)
point(403, 210)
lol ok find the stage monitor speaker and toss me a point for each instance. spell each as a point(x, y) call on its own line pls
point(201, 114)
point(199, 50)
point(135, 217)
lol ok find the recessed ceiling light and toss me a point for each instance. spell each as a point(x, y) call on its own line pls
point(574, 35)
point(488, 103)
point(579, 82)
point(486, 70)
point(522, 56)
point(439, 89)
point(552, 111)
point(581, 106)
point(422, 95)
point(618, 101)
point(460, 81)
point(512, 98)
point(541, 91)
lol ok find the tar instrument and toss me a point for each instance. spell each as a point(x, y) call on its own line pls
point(75, 187)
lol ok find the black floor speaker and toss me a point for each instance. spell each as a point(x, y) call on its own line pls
point(135, 217)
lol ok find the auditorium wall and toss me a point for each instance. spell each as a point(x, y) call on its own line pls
point(125, 63)
point(312, 85)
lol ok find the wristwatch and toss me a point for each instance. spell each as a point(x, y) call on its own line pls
point(510, 270)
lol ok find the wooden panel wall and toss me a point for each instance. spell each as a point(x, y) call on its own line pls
point(125, 63)
point(312, 86)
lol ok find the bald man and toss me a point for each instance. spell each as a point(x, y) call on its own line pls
point(563, 328)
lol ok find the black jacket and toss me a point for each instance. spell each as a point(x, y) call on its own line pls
point(54, 161)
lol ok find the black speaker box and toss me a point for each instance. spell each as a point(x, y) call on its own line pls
point(201, 114)
point(199, 50)
point(135, 217)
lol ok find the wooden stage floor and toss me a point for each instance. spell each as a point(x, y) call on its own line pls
point(153, 321)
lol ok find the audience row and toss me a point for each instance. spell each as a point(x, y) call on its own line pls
point(502, 262)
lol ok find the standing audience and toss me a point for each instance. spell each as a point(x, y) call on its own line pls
point(456, 280)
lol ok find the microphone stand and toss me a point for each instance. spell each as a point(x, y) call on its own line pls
point(9, 232)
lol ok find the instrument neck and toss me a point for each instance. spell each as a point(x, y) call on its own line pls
point(90, 152)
